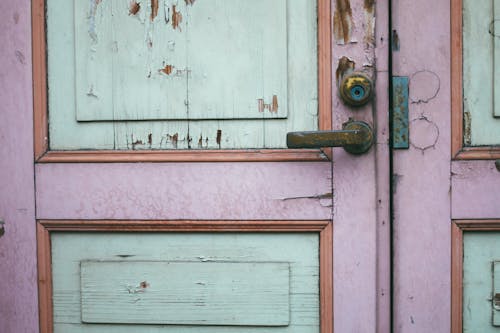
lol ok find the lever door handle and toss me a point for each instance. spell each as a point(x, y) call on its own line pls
point(356, 137)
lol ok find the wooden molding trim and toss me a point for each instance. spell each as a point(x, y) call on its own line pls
point(41, 136)
point(45, 227)
point(457, 254)
point(113, 156)
point(458, 151)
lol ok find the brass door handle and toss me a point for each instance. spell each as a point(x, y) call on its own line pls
point(356, 137)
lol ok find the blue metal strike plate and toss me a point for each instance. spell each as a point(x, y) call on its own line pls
point(400, 131)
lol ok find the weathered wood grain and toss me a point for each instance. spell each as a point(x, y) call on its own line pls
point(185, 293)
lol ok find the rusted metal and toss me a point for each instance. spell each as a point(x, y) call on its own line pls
point(356, 137)
point(342, 22)
point(400, 122)
point(356, 89)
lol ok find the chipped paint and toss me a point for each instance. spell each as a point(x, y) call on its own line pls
point(91, 19)
point(167, 69)
point(174, 139)
point(344, 67)
point(271, 107)
point(154, 9)
point(369, 38)
point(190, 2)
point(342, 22)
point(219, 137)
point(176, 18)
point(134, 8)
point(467, 128)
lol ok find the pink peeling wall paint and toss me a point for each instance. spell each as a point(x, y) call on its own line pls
point(18, 275)
point(422, 174)
point(184, 191)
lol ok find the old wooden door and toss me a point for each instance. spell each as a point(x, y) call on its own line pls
point(166, 199)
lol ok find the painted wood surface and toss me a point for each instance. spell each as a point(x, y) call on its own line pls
point(18, 274)
point(279, 85)
point(481, 249)
point(479, 68)
point(206, 60)
point(224, 191)
point(299, 250)
point(475, 190)
point(421, 175)
point(185, 293)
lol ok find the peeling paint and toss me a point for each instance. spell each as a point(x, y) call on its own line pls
point(150, 139)
point(342, 22)
point(200, 141)
point(167, 69)
point(369, 38)
point(190, 2)
point(91, 19)
point(219, 138)
point(134, 8)
point(344, 67)
point(154, 9)
point(176, 18)
point(174, 139)
point(467, 128)
point(272, 107)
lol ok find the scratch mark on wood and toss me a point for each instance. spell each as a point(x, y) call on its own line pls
point(316, 197)
point(176, 18)
point(154, 9)
point(342, 22)
point(134, 8)
point(219, 137)
point(344, 67)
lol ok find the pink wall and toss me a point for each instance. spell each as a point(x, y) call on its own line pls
point(422, 173)
point(18, 289)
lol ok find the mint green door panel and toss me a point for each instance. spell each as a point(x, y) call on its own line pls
point(178, 282)
point(481, 251)
point(195, 293)
point(119, 80)
point(221, 56)
point(481, 69)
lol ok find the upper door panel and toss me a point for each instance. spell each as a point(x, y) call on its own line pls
point(180, 74)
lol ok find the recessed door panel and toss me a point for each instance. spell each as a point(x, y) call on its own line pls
point(173, 282)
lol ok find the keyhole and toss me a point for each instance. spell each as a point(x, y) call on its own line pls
point(357, 92)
